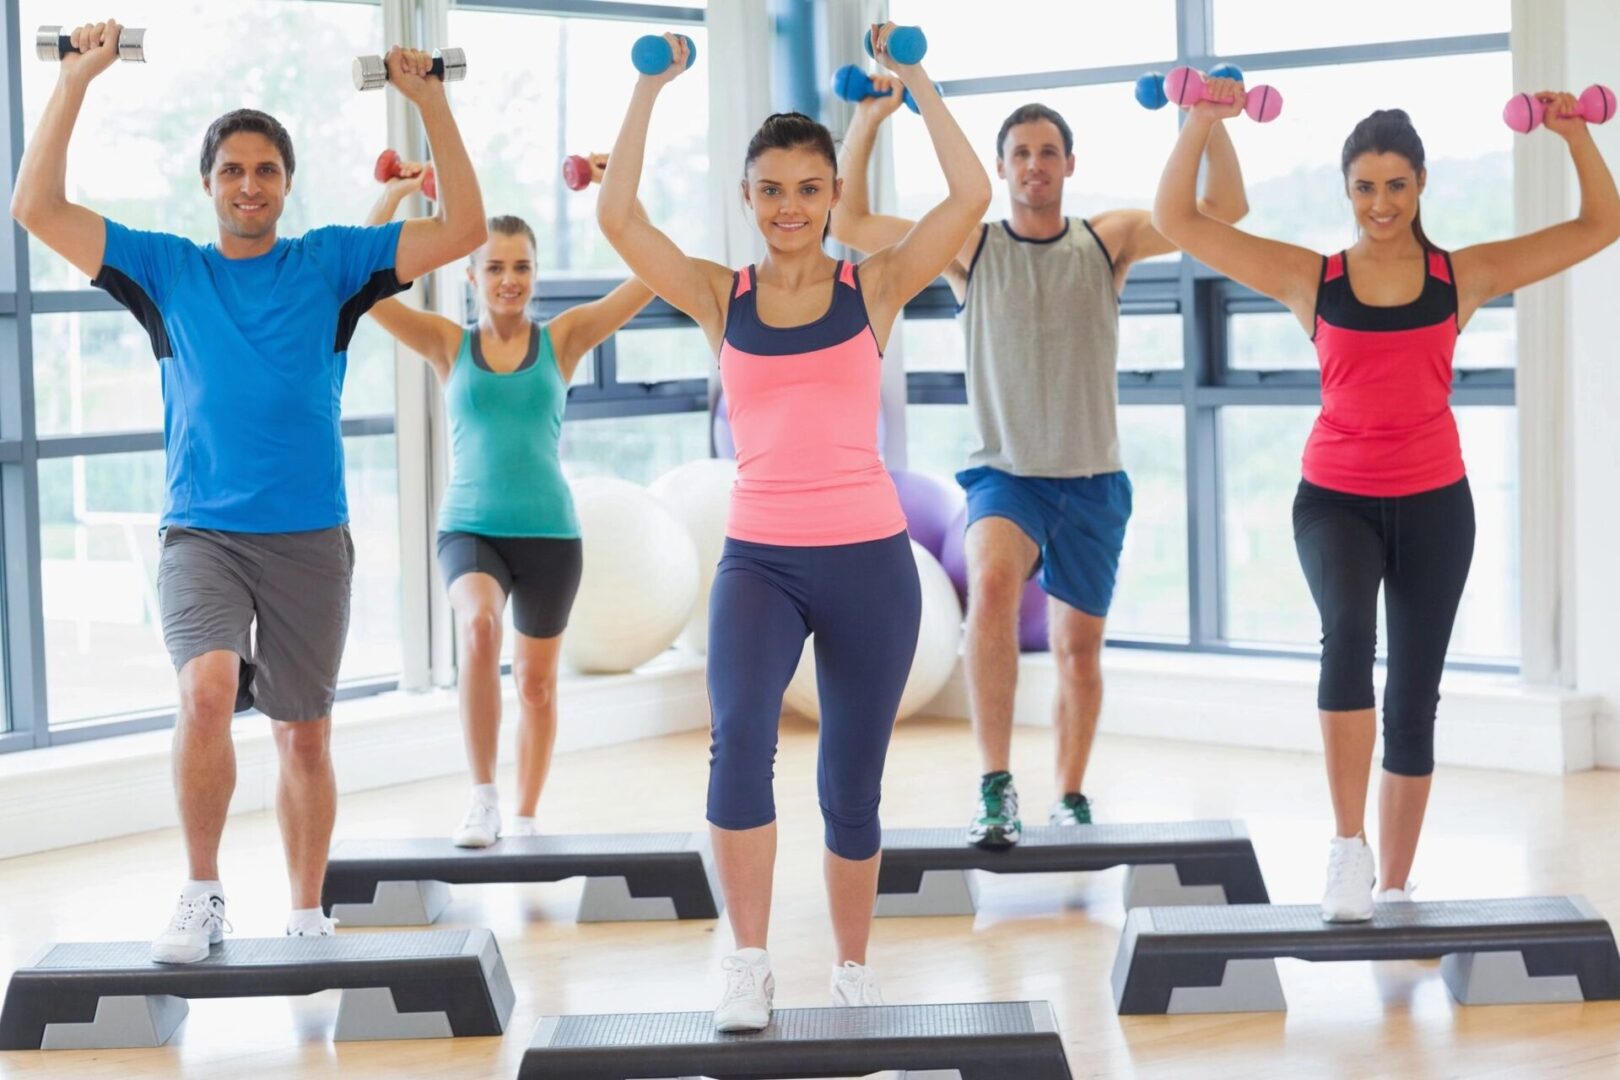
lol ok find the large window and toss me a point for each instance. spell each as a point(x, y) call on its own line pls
point(1218, 386)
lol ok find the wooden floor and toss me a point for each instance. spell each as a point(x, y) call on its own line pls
point(1051, 937)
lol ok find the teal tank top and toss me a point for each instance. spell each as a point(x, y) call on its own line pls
point(505, 475)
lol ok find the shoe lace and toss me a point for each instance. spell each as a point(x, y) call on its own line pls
point(742, 980)
point(994, 795)
point(1342, 860)
point(193, 913)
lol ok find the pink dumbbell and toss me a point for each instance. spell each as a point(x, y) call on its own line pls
point(576, 172)
point(1185, 87)
point(1526, 112)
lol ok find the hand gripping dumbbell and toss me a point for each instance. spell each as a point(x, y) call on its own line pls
point(1186, 87)
point(1526, 112)
point(854, 85)
point(387, 168)
point(907, 44)
point(51, 44)
point(1150, 87)
point(371, 72)
point(652, 55)
point(577, 171)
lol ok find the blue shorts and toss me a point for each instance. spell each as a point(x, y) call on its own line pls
point(1078, 523)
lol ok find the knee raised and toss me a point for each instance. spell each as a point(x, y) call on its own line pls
point(1079, 661)
point(208, 697)
point(303, 746)
point(995, 590)
point(481, 631)
point(536, 689)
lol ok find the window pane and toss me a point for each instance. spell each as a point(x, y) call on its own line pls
point(137, 163)
point(98, 525)
point(1274, 341)
point(520, 121)
point(933, 345)
point(368, 388)
point(1490, 340)
point(1119, 149)
point(635, 448)
point(939, 439)
point(374, 647)
point(1150, 343)
point(94, 371)
point(965, 40)
point(1268, 601)
point(675, 352)
point(1248, 26)
point(1151, 598)
point(1291, 167)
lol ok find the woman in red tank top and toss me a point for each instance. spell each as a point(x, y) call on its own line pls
point(816, 542)
point(1384, 501)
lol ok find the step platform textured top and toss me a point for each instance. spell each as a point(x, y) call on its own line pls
point(1492, 952)
point(926, 871)
point(395, 986)
point(993, 1041)
point(629, 877)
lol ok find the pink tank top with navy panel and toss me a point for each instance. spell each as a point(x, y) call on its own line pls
point(1386, 427)
point(804, 404)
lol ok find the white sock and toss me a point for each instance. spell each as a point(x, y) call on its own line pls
point(487, 794)
point(193, 889)
point(523, 821)
point(308, 918)
point(754, 956)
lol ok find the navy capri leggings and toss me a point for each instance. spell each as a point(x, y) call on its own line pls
point(863, 602)
point(1419, 548)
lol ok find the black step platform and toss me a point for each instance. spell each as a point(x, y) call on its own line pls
point(926, 871)
point(101, 995)
point(629, 877)
point(1493, 952)
point(995, 1041)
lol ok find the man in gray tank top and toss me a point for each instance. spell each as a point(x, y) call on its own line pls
point(1039, 298)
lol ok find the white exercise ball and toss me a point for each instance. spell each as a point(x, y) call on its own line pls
point(939, 639)
point(640, 579)
point(699, 494)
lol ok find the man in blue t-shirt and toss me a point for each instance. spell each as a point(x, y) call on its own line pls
point(251, 333)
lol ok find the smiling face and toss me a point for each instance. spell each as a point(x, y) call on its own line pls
point(791, 192)
point(1383, 190)
point(1034, 163)
point(249, 184)
point(503, 273)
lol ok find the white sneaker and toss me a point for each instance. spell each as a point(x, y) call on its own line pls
point(1396, 896)
point(855, 984)
point(1350, 877)
point(198, 923)
point(480, 827)
point(522, 826)
point(321, 926)
point(746, 1004)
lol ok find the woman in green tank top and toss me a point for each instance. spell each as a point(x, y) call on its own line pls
point(507, 528)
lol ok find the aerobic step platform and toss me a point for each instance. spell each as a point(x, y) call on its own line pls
point(628, 877)
point(995, 1041)
point(928, 871)
point(425, 985)
point(1493, 952)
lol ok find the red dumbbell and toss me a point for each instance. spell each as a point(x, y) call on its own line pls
point(1185, 87)
point(388, 168)
point(1525, 112)
point(578, 171)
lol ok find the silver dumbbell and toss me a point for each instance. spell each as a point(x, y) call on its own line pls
point(51, 44)
point(371, 72)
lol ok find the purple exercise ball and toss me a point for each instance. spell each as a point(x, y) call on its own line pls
point(930, 505)
point(1032, 629)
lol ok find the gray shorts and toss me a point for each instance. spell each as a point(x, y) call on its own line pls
point(213, 586)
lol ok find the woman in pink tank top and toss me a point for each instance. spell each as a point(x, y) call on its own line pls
point(816, 540)
point(1384, 501)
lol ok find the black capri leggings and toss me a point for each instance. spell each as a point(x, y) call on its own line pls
point(1419, 547)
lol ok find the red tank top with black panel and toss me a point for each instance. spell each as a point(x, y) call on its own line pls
point(1386, 427)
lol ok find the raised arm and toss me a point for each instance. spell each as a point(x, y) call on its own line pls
point(40, 203)
point(1281, 271)
point(432, 337)
point(853, 222)
point(696, 286)
point(458, 228)
point(1489, 270)
point(897, 273)
point(1224, 199)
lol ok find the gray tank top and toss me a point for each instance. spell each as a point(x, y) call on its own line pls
point(1042, 326)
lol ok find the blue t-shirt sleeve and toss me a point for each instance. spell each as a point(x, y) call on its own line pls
point(356, 259)
point(150, 261)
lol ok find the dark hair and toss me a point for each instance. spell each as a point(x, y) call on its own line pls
point(507, 225)
point(1388, 131)
point(1026, 114)
point(246, 120)
point(789, 131)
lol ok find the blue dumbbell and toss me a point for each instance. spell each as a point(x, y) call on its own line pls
point(1150, 87)
point(652, 55)
point(907, 44)
point(852, 84)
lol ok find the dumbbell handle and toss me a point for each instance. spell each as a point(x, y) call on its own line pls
point(371, 72)
point(51, 44)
